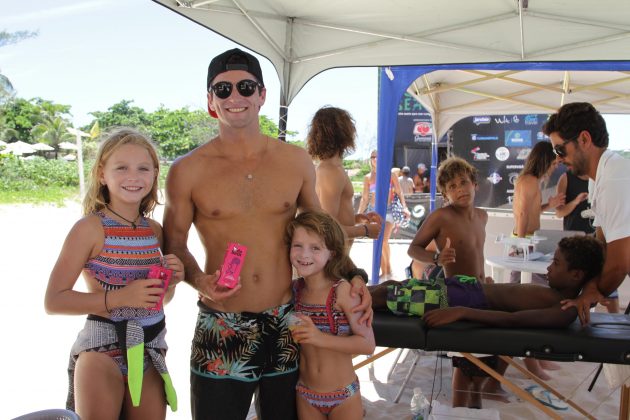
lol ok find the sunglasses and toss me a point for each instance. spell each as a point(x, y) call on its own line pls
point(245, 88)
point(560, 150)
point(372, 157)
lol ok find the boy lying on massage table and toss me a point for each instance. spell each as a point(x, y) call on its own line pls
point(576, 260)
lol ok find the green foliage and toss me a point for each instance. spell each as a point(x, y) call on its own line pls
point(19, 116)
point(30, 175)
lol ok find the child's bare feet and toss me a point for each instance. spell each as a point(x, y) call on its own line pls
point(549, 365)
point(534, 367)
point(492, 390)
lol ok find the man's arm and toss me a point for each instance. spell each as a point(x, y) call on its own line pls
point(553, 317)
point(330, 188)
point(178, 217)
point(616, 267)
point(525, 194)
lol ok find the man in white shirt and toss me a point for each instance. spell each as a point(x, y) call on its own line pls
point(580, 139)
point(406, 183)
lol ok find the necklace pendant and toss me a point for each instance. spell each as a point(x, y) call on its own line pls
point(249, 177)
point(133, 225)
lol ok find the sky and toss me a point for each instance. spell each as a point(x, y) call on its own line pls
point(91, 54)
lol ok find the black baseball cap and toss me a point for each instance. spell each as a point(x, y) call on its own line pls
point(234, 59)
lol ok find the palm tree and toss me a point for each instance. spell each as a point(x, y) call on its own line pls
point(52, 131)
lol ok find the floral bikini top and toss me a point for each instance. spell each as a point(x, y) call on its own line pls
point(326, 318)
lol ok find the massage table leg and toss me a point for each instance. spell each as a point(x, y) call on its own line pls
point(374, 357)
point(624, 413)
point(391, 369)
point(416, 357)
point(542, 383)
point(514, 388)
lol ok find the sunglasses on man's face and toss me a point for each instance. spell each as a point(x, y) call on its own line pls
point(560, 150)
point(245, 88)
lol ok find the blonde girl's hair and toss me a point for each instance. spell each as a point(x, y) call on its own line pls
point(97, 195)
point(327, 228)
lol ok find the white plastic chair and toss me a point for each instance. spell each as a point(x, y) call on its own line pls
point(50, 414)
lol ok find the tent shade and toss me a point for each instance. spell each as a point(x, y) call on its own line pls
point(42, 147)
point(19, 148)
point(302, 38)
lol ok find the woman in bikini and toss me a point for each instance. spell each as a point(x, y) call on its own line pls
point(328, 331)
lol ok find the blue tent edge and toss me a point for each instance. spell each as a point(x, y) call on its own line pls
point(391, 91)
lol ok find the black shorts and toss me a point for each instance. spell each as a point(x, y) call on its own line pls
point(470, 369)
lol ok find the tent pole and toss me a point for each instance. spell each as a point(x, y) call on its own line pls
point(282, 123)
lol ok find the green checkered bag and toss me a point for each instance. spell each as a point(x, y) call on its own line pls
point(415, 297)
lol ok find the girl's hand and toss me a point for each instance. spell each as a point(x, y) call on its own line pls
point(140, 293)
point(306, 332)
point(171, 261)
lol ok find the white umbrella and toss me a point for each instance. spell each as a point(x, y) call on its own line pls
point(19, 148)
point(42, 147)
point(69, 157)
point(67, 145)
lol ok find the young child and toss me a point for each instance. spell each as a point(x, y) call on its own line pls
point(119, 354)
point(458, 229)
point(329, 332)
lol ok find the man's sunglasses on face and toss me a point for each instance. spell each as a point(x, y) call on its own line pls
point(560, 150)
point(245, 88)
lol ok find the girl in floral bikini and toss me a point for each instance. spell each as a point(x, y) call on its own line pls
point(119, 355)
point(329, 332)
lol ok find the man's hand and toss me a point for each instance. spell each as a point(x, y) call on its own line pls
point(360, 289)
point(443, 316)
point(556, 200)
point(208, 287)
point(583, 303)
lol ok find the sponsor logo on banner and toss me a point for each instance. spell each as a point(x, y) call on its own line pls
point(481, 120)
point(502, 154)
point(479, 156)
point(522, 154)
point(418, 211)
point(518, 138)
point(422, 128)
point(514, 166)
point(494, 178)
point(507, 120)
point(512, 177)
point(531, 119)
point(541, 136)
point(477, 137)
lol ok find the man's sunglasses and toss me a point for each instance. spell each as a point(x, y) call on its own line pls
point(245, 88)
point(560, 150)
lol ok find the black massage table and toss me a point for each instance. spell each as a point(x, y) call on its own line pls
point(606, 339)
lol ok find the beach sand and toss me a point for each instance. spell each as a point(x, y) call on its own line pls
point(36, 345)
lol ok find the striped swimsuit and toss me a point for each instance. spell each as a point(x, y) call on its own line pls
point(132, 337)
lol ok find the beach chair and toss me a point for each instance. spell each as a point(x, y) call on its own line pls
point(50, 414)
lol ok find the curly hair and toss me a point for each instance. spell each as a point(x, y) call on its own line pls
point(327, 228)
point(452, 167)
point(571, 119)
point(583, 253)
point(539, 160)
point(97, 195)
point(331, 133)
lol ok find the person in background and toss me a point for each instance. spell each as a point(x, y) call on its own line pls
point(331, 136)
point(580, 140)
point(368, 205)
point(527, 204)
point(420, 179)
point(117, 367)
point(576, 190)
point(329, 333)
point(406, 183)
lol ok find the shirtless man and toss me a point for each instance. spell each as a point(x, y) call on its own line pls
point(244, 187)
point(331, 135)
point(528, 206)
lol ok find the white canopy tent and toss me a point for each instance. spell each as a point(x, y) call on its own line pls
point(542, 43)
